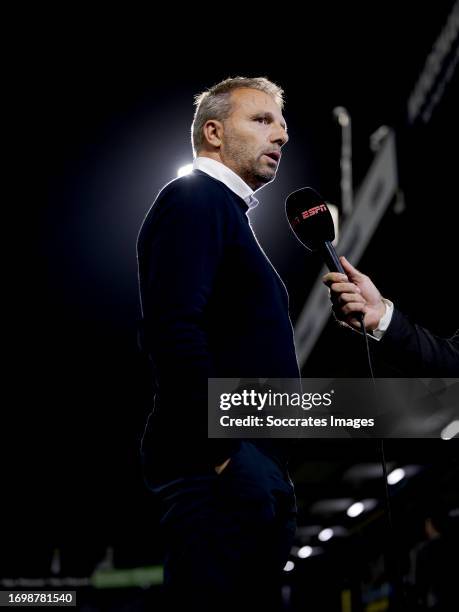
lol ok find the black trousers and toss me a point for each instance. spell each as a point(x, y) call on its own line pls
point(227, 536)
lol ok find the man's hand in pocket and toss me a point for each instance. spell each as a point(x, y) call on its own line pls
point(219, 468)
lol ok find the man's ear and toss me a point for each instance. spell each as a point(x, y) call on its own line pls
point(213, 132)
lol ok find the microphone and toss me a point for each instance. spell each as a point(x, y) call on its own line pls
point(312, 224)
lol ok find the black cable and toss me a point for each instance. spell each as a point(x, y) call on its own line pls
point(383, 456)
point(398, 586)
point(365, 335)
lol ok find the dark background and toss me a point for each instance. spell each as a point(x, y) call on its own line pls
point(109, 109)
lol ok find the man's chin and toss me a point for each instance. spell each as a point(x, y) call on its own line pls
point(266, 177)
point(258, 179)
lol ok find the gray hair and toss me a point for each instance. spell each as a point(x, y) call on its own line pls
point(215, 103)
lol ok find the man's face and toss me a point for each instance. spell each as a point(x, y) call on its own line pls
point(253, 136)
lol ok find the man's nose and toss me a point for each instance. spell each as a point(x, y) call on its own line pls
point(279, 136)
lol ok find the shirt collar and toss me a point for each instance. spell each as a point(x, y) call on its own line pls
point(225, 175)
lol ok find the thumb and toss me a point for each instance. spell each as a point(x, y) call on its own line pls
point(349, 268)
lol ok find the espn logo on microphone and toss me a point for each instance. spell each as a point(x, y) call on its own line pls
point(314, 211)
point(309, 213)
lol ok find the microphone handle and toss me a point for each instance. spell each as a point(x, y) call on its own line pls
point(331, 258)
point(334, 265)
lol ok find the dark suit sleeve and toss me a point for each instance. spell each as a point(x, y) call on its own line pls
point(182, 253)
point(418, 352)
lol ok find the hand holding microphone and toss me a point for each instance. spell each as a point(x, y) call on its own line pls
point(354, 292)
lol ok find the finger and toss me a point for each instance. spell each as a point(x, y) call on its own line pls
point(346, 308)
point(349, 268)
point(354, 322)
point(350, 298)
point(334, 277)
point(344, 288)
point(352, 308)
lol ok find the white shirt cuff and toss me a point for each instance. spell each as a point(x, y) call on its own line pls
point(385, 320)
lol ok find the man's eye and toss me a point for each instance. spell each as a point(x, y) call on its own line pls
point(262, 119)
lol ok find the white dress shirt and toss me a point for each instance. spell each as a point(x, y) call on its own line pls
point(225, 175)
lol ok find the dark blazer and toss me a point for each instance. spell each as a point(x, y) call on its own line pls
point(213, 306)
point(418, 352)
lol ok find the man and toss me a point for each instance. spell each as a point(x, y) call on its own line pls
point(213, 306)
point(410, 347)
